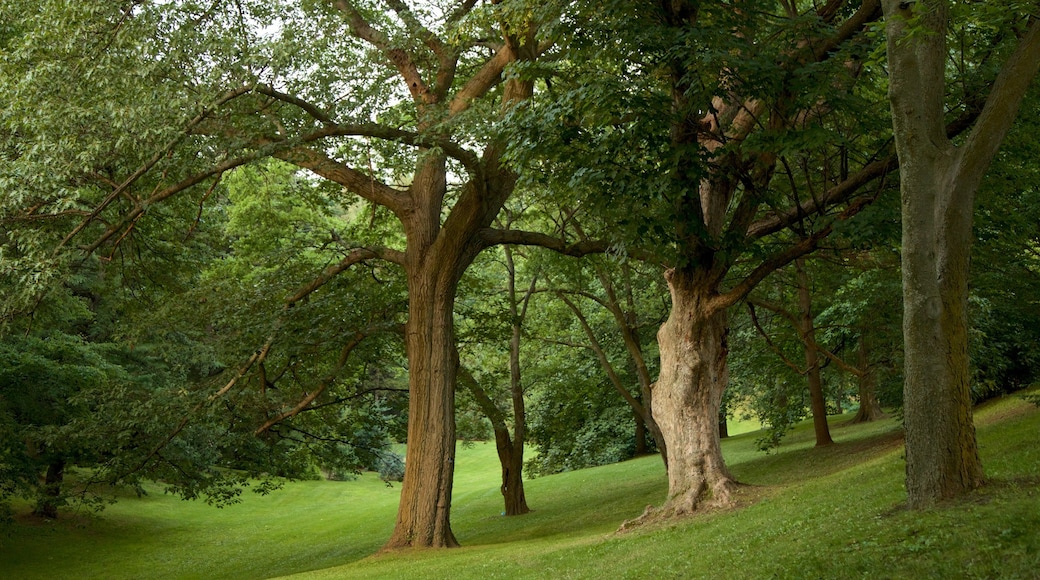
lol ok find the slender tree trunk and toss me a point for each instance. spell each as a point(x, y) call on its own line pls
point(513, 461)
point(812, 357)
point(628, 324)
point(723, 425)
point(640, 435)
point(50, 495)
point(688, 395)
point(869, 407)
point(511, 457)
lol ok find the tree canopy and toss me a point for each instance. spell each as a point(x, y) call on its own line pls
point(257, 239)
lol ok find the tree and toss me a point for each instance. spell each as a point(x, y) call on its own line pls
point(626, 317)
point(938, 181)
point(806, 326)
point(727, 124)
point(510, 447)
point(388, 102)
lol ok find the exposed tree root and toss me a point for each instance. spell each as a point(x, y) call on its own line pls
point(723, 495)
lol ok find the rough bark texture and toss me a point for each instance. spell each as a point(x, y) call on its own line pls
point(938, 184)
point(812, 358)
point(688, 394)
point(942, 457)
point(424, 512)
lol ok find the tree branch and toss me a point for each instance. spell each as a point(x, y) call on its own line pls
point(832, 197)
point(604, 362)
point(398, 56)
point(324, 384)
point(354, 257)
point(493, 237)
point(769, 341)
point(1001, 108)
point(482, 81)
point(158, 156)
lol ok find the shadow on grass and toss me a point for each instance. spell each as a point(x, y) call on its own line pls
point(790, 466)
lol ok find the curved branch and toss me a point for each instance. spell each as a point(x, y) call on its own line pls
point(324, 384)
point(401, 59)
point(869, 11)
point(770, 265)
point(357, 182)
point(483, 80)
point(356, 256)
point(769, 341)
point(604, 362)
point(832, 197)
point(157, 197)
point(494, 237)
point(158, 156)
point(310, 108)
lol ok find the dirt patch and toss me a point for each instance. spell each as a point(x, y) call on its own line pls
point(1009, 411)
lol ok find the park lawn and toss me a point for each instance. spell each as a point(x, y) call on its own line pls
point(831, 512)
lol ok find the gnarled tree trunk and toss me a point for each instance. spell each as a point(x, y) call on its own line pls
point(688, 395)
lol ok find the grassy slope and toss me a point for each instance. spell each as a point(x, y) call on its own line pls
point(811, 513)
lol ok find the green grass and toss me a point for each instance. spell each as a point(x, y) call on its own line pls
point(831, 512)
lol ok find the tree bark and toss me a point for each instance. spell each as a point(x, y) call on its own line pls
point(938, 181)
point(688, 395)
point(942, 458)
point(50, 494)
point(869, 407)
point(812, 357)
point(424, 511)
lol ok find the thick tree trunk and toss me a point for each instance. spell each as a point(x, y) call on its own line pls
point(812, 358)
point(869, 407)
point(423, 514)
point(50, 495)
point(938, 181)
point(942, 458)
point(688, 395)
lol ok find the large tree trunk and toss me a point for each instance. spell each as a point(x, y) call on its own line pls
point(869, 407)
point(688, 395)
point(812, 357)
point(50, 494)
point(433, 272)
point(433, 361)
point(942, 458)
point(938, 181)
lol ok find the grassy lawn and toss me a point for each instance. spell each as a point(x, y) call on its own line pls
point(832, 512)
